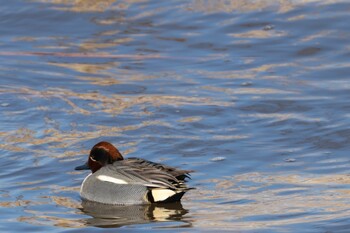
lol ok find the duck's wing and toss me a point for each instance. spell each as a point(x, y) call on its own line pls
point(127, 172)
point(179, 174)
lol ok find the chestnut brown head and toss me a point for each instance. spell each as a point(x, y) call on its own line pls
point(101, 154)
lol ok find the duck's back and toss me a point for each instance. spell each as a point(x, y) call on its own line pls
point(179, 174)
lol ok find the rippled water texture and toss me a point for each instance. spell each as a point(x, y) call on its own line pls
point(253, 95)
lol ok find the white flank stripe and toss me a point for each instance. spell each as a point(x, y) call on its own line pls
point(162, 194)
point(111, 179)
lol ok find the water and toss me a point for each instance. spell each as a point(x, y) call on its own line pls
point(253, 95)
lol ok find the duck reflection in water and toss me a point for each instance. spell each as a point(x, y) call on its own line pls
point(113, 216)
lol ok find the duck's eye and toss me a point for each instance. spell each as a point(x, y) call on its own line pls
point(92, 158)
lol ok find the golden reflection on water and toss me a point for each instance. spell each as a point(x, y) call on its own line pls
point(106, 81)
point(92, 45)
point(208, 6)
point(321, 34)
point(86, 5)
point(40, 219)
point(281, 6)
point(248, 74)
point(65, 201)
point(285, 116)
point(191, 119)
point(243, 6)
point(259, 34)
point(110, 79)
point(113, 104)
point(17, 203)
point(92, 69)
point(251, 90)
point(271, 197)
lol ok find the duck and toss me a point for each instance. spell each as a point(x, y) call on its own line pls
point(118, 181)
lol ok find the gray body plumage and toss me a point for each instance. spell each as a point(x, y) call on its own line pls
point(133, 181)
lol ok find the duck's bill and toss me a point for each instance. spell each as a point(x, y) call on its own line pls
point(85, 166)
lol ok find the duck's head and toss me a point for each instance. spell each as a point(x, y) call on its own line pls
point(101, 154)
